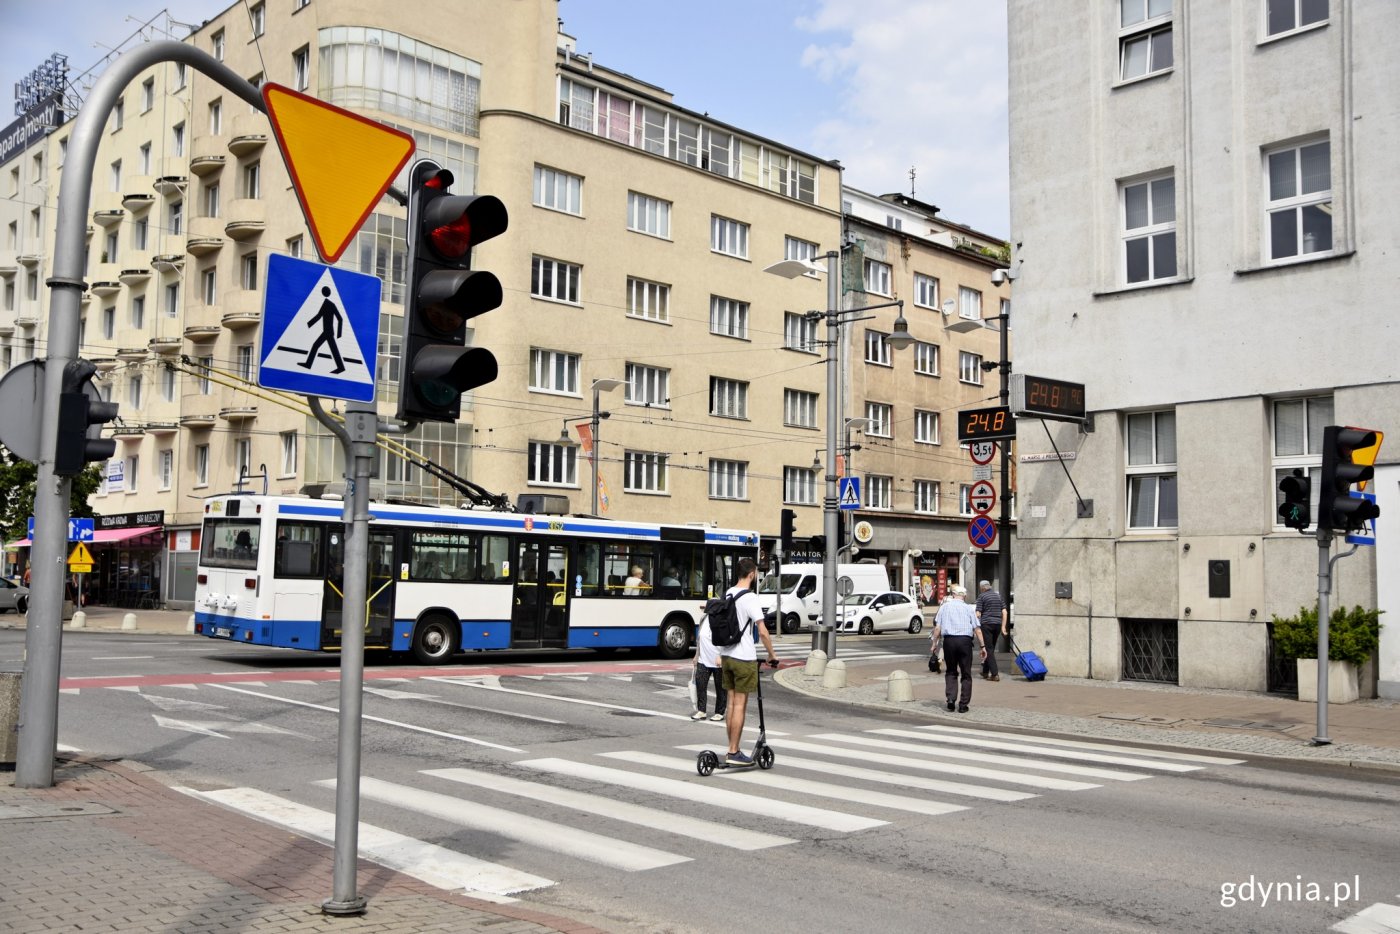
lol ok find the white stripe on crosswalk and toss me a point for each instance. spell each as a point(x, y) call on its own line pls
point(803, 786)
point(435, 865)
point(1080, 744)
point(701, 792)
point(1029, 746)
point(1045, 782)
point(548, 835)
point(1379, 918)
point(667, 821)
point(891, 778)
point(1084, 771)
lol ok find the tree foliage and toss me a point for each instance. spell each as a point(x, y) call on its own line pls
point(17, 479)
point(1352, 634)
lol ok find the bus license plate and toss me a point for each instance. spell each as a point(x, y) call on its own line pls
point(223, 632)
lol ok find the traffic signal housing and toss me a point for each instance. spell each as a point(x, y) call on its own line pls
point(789, 529)
point(1295, 510)
point(81, 414)
point(444, 293)
point(1347, 456)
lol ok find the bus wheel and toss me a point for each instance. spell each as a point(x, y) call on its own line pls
point(435, 640)
point(674, 640)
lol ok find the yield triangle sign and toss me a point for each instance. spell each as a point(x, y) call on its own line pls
point(340, 163)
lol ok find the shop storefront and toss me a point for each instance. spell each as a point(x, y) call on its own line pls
point(924, 555)
point(128, 549)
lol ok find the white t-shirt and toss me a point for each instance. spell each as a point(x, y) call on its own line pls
point(705, 651)
point(750, 610)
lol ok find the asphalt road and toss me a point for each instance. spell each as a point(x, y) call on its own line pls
point(573, 775)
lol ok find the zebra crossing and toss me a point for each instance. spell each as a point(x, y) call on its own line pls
point(645, 809)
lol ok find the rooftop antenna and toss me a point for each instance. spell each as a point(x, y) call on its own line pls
point(913, 171)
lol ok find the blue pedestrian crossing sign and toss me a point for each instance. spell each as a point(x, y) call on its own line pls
point(320, 330)
point(1367, 535)
point(849, 492)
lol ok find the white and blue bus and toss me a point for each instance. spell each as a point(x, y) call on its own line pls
point(442, 580)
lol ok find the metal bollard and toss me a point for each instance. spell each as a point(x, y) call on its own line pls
point(816, 663)
point(899, 690)
point(835, 674)
point(79, 620)
point(129, 622)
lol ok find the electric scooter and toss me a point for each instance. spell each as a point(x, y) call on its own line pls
point(708, 760)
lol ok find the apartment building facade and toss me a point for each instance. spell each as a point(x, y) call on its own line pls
point(1204, 192)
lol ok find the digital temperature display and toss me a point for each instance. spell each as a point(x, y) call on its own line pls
point(986, 424)
point(1047, 398)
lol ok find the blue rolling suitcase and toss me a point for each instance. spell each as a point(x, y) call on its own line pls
point(1030, 664)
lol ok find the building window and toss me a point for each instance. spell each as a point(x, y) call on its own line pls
point(964, 499)
point(877, 491)
point(926, 427)
point(1298, 425)
point(729, 317)
point(242, 457)
point(109, 249)
point(248, 272)
point(925, 358)
point(289, 453)
point(140, 233)
point(177, 140)
point(175, 218)
point(554, 371)
point(969, 368)
point(558, 191)
point(205, 367)
point(649, 300)
point(118, 114)
point(216, 117)
point(881, 417)
point(381, 250)
point(648, 385)
point(554, 280)
point(295, 248)
point(877, 277)
point(894, 223)
point(799, 408)
point(552, 464)
point(925, 291)
point(729, 398)
point(133, 392)
point(1286, 15)
point(1151, 470)
point(1149, 230)
point(216, 45)
point(252, 180)
point(1300, 201)
point(211, 199)
point(116, 176)
point(799, 332)
point(109, 323)
point(138, 311)
point(1144, 37)
point(243, 362)
point(172, 300)
point(926, 496)
point(258, 16)
point(144, 155)
point(167, 385)
point(201, 465)
point(301, 68)
point(209, 284)
point(877, 349)
point(165, 469)
point(148, 94)
point(648, 215)
point(800, 486)
point(644, 472)
point(729, 480)
point(374, 69)
point(969, 303)
point(794, 248)
point(300, 5)
point(729, 237)
point(133, 476)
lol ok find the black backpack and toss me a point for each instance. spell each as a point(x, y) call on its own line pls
point(723, 614)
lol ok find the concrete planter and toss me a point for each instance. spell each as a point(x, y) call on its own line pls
point(1342, 681)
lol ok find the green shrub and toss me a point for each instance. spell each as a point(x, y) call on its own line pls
point(1352, 635)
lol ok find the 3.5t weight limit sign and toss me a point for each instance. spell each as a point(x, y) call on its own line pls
point(982, 452)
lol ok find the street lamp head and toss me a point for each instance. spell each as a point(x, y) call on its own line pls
point(964, 325)
point(901, 337)
point(857, 423)
point(605, 384)
point(793, 268)
point(564, 433)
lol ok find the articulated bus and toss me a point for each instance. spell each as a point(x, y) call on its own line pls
point(443, 580)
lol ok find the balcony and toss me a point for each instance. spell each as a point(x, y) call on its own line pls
point(168, 262)
point(247, 218)
point(164, 346)
point(29, 259)
point(162, 428)
point(131, 354)
point(198, 420)
point(105, 288)
point(128, 431)
point(238, 413)
point(199, 333)
point(104, 364)
point(242, 309)
point(207, 163)
point(137, 201)
point(9, 265)
point(28, 318)
point(199, 246)
point(171, 184)
point(108, 217)
point(7, 328)
point(135, 275)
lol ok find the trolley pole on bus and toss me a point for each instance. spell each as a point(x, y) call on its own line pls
point(357, 436)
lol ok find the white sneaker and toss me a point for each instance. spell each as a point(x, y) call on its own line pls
point(717, 717)
point(698, 715)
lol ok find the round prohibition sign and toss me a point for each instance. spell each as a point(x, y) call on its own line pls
point(982, 531)
point(982, 497)
point(982, 452)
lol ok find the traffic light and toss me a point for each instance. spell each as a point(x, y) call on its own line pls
point(1295, 510)
point(1347, 456)
point(789, 527)
point(443, 294)
point(81, 415)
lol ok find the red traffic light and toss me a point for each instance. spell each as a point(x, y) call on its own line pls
point(453, 224)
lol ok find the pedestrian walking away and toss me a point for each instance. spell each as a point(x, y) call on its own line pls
point(956, 625)
point(739, 662)
point(991, 616)
point(707, 666)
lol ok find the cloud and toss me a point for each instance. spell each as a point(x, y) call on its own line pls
point(916, 83)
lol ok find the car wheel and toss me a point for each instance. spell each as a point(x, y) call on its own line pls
point(866, 627)
point(435, 640)
point(21, 604)
point(916, 624)
point(791, 623)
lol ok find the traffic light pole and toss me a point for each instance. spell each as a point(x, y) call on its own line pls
point(1325, 563)
point(43, 638)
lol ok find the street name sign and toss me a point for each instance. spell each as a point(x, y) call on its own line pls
point(320, 330)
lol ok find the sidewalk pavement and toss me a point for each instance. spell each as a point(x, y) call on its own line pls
point(110, 618)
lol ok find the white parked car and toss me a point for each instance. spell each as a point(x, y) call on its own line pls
point(879, 612)
point(13, 596)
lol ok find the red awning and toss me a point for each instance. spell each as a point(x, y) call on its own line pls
point(103, 536)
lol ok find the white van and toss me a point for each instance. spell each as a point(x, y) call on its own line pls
point(802, 590)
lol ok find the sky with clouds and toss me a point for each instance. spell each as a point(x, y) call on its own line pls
point(881, 85)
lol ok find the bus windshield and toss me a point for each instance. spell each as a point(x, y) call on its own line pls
point(230, 543)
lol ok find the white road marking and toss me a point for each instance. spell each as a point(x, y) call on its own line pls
point(435, 865)
point(962, 771)
point(120, 658)
point(392, 694)
point(547, 835)
point(1081, 770)
point(1030, 748)
point(179, 703)
point(1079, 744)
point(700, 792)
point(406, 726)
point(666, 821)
point(1379, 918)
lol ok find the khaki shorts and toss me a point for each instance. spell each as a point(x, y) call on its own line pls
point(739, 676)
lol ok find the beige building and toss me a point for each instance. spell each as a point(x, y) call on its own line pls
point(639, 234)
